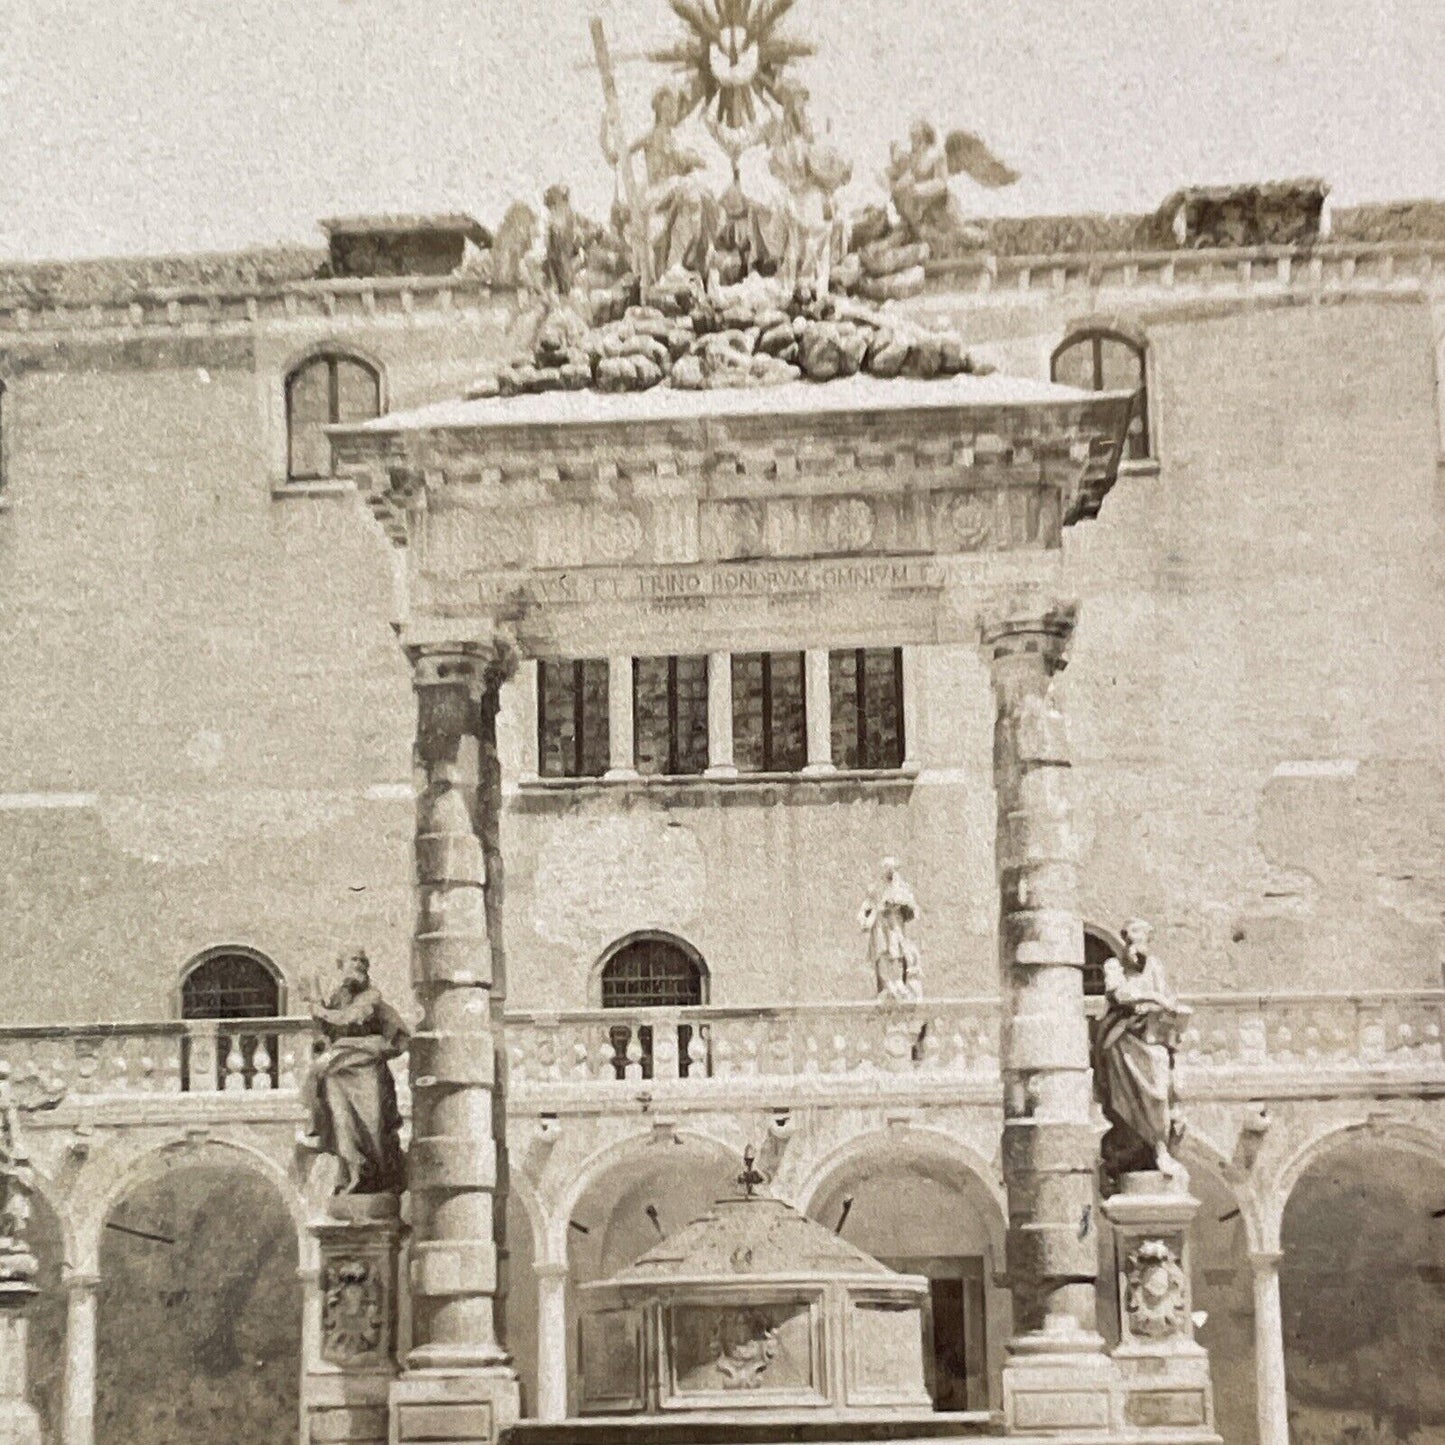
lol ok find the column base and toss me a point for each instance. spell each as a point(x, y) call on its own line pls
point(453, 1407)
point(1058, 1381)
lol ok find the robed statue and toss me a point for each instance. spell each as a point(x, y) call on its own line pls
point(349, 1090)
point(885, 916)
point(1134, 1060)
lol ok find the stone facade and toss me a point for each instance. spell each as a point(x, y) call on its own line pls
point(209, 743)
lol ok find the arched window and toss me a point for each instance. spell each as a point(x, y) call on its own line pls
point(652, 970)
point(322, 391)
point(1099, 948)
point(1106, 361)
point(232, 983)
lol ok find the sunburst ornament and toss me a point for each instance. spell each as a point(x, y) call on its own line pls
point(733, 58)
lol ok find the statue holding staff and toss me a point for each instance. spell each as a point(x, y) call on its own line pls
point(349, 1091)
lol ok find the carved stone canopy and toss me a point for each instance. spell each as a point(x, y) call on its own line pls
point(830, 514)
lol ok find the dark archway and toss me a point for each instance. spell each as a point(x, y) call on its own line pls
point(1362, 1284)
point(198, 1332)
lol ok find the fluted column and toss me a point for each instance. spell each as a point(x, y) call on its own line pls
point(77, 1425)
point(457, 1164)
point(1050, 1152)
point(551, 1341)
point(1270, 1387)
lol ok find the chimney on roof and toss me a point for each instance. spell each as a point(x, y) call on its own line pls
point(1273, 213)
point(401, 245)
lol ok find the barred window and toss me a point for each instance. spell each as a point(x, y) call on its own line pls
point(319, 393)
point(652, 971)
point(572, 717)
point(866, 689)
point(770, 733)
point(669, 709)
point(1106, 361)
point(229, 984)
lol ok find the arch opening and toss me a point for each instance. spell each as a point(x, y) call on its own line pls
point(921, 1211)
point(198, 1330)
point(643, 1194)
point(1362, 1286)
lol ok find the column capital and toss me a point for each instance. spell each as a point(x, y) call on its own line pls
point(474, 664)
point(1044, 631)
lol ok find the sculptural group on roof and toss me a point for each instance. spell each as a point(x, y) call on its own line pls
point(760, 280)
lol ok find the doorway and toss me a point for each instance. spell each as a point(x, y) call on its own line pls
point(955, 1350)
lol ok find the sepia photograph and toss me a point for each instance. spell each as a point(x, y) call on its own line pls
point(722, 722)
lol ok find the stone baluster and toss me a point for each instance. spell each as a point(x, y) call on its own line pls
point(458, 1384)
point(261, 1062)
point(77, 1423)
point(201, 1058)
point(665, 1054)
point(1050, 1153)
point(235, 1063)
point(1271, 1400)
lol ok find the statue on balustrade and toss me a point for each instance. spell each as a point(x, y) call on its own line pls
point(1134, 1061)
point(349, 1091)
point(885, 916)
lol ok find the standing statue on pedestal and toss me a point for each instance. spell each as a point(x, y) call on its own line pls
point(885, 917)
point(1134, 1061)
point(349, 1091)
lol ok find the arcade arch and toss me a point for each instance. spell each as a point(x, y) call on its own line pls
point(924, 1204)
point(1362, 1285)
point(198, 1259)
point(624, 1200)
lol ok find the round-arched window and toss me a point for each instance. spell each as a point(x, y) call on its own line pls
point(1106, 361)
point(654, 970)
point(231, 984)
point(321, 392)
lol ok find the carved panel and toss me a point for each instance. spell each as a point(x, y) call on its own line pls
point(354, 1311)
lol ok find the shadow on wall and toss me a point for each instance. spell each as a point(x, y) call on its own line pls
point(1363, 1294)
point(199, 1329)
point(45, 1351)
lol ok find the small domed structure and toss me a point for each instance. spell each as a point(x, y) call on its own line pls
point(754, 1307)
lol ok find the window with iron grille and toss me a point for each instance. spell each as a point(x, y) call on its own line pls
point(1106, 361)
point(651, 972)
point(669, 710)
point(865, 686)
point(319, 393)
point(232, 986)
point(770, 732)
point(572, 738)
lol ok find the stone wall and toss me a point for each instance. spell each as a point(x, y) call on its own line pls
point(205, 673)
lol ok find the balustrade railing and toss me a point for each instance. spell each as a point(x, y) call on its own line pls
point(197, 1056)
point(706, 1049)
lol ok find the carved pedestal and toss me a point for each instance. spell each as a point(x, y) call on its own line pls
point(352, 1347)
point(1163, 1372)
point(19, 1424)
